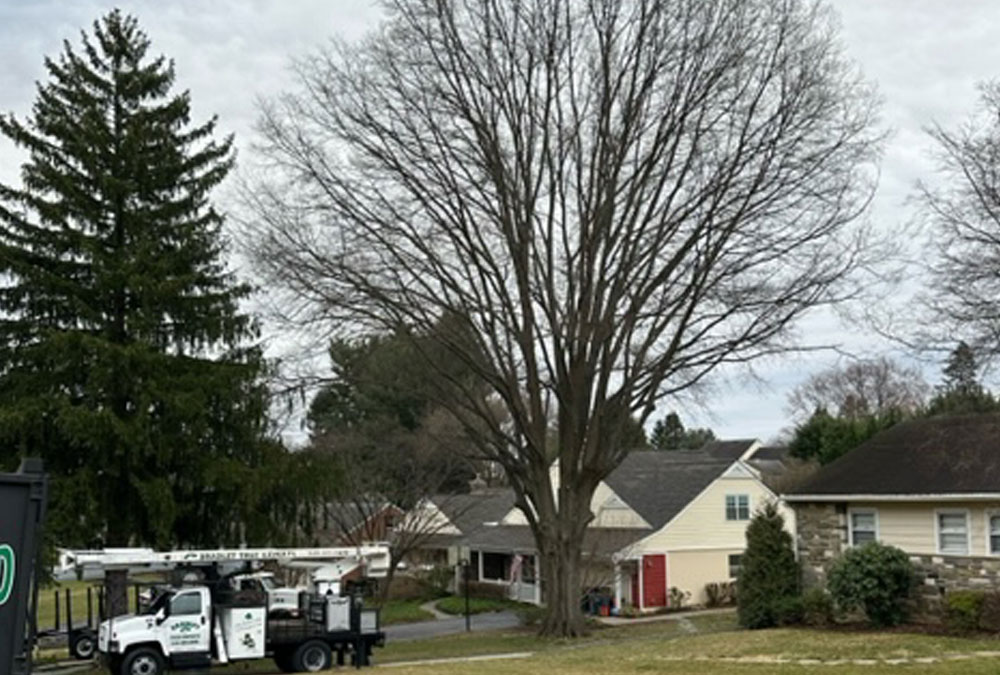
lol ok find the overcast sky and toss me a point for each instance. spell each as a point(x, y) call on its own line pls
point(925, 56)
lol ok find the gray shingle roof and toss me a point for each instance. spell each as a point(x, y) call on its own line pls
point(937, 455)
point(657, 485)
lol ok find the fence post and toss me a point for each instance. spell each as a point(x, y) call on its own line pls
point(90, 607)
point(69, 612)
point(58, 623)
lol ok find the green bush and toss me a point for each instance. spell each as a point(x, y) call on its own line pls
point(484, 590)
point(989, 613)
point(456, 605)
point(817, 607)
point(875, 578)
point(788, 610)
point(963, 610)
point(768, 571)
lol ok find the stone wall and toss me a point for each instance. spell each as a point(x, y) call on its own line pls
point(936, 576)
point(821, 536)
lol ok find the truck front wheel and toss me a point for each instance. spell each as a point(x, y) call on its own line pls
point(310, 657)
point(142, 661)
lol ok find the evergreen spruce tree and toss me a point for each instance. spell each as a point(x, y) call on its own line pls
point(769, 576)
point(961, 392)
point(124, 360)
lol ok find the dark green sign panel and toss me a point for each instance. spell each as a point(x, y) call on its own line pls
point(22, 503)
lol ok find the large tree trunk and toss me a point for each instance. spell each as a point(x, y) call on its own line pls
point(560, 567)
point(116, 585)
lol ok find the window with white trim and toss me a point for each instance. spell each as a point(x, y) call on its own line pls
point(953, 532)
point(864, 526)
point(737, 507)
point(995, 533)
point(734, 565)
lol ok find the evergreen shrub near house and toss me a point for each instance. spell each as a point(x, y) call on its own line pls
point(817, 607)
point(989, 612)
point(963, 610)
point(769, 576)
point(875, 578)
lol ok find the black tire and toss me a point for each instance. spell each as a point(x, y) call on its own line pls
point(143, 661)
point(83, 646)
point(311, 657)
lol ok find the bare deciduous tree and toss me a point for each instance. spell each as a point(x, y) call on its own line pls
point(865, 387)
point(611, 197)
point(964, 300)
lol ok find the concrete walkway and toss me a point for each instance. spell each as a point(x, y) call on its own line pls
point(460, 659)
point(669, 616)
point(431, 606)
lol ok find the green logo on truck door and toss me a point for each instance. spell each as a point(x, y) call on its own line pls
point(6, 573)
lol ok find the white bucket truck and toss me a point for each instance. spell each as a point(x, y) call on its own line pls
point(217, 622)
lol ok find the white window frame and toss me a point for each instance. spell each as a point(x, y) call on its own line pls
point(729, 565)
point(737, 496)
point(968, 530)
point(850, 522)
point(989, 514)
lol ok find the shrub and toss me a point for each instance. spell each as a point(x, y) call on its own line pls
point(963, 610)
point(788, 610)
point(989, 613)
point(874, 577)
point(677, 598)
point(768, 572)
point(719, 593)
point(484, 590)
point(817, 607)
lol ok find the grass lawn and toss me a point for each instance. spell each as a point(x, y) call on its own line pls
point(455, 604)
point(665, 647)
point(78, 592)
point(404, 611)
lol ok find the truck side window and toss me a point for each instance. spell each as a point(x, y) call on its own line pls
point(185, 603)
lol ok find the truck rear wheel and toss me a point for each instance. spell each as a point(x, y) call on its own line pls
point(143, 661)
point(311, 657)
point(83, 645)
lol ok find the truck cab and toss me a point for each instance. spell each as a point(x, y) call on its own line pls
point(176, 629)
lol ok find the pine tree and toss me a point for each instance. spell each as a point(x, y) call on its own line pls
point(669, 434)
point(769, 576)
point(961, 392)
point(124, 359)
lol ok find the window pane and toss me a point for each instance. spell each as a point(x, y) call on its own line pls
point(952, 533)
point(186, 603)
point(952, 522)
point(994, 524)
point(864, 521)
point(995, 543)
point(863, 537)
point(744, 507)
point(731, 508)
point(734, 566)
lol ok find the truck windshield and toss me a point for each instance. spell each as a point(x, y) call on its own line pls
point(267, 583)
point(159, 602)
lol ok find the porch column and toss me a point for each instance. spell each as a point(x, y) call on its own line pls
point(480, 558)
point(618, 585)
point(642, 587)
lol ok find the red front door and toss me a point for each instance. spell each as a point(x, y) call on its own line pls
point(654, 580)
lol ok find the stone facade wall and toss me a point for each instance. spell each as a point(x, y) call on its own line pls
point(821, 535)
point(936, 576)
